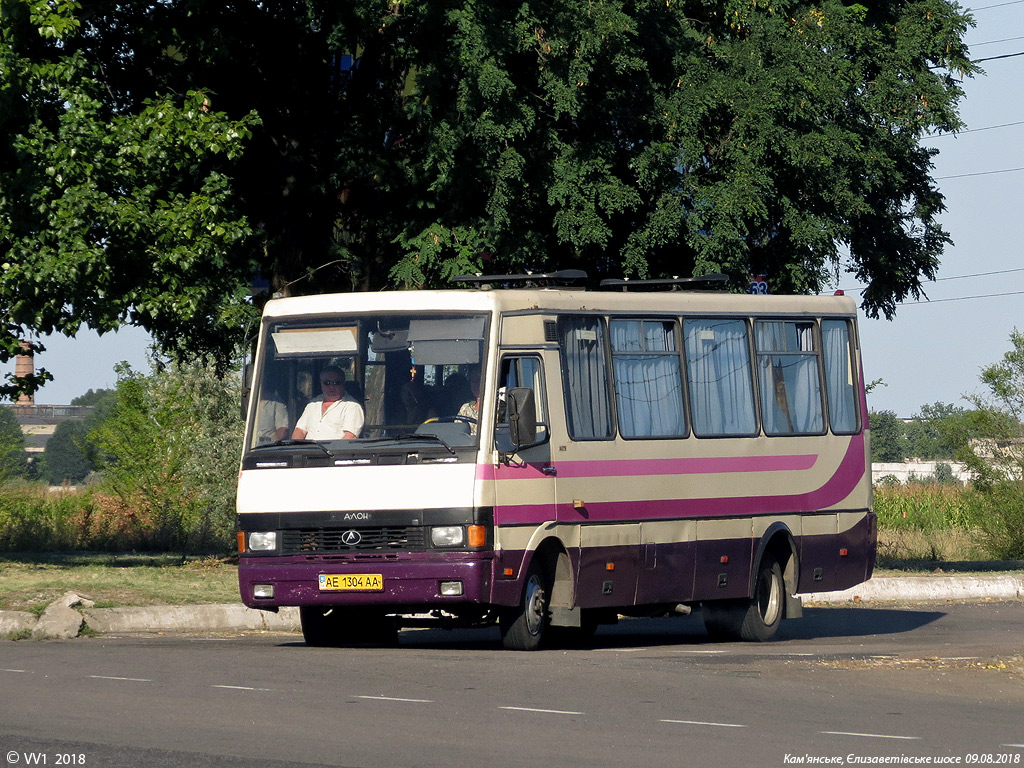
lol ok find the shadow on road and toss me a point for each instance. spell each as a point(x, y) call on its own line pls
point(856, 622)
point(816, 624)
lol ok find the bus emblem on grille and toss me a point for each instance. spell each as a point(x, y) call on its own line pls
point(351, 538)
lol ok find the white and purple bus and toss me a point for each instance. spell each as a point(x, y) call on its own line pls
point(553, 458)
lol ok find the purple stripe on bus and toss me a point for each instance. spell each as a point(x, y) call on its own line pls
point(850, 472)
point(639, 467)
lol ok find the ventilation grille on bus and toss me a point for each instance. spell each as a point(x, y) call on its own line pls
point(550, 331)
point(305, 540)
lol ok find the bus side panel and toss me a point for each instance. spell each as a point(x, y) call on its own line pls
point(858, 536)
point(818, 553)
point(609, 564)
point(667, 562)
point(725, 549)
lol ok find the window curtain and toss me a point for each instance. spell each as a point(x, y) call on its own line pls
point(586, 378)
point(842, 397)
point(648, 387)
point(789, 380)
point(719, 374)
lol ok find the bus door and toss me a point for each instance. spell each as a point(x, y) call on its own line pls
point(525, 478)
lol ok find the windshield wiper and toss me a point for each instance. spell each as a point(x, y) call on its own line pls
point(412, 437)
point(289, 442)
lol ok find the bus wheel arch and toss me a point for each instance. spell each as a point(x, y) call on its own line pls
point(547, 581)
point(778, 542)
point(757, 617)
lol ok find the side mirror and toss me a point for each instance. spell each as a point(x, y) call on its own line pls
point(522, 416)
point(246, 388)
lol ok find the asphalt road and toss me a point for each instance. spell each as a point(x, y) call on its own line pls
point(922, 685)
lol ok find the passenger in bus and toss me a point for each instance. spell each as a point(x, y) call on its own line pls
point(471, 410)
point(335, 415)
point(271, 419)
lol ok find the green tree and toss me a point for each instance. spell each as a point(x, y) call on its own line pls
point(936, 432)
point(65, 458)
point(172, 445)
point(155, 156)
point(996, 456)
point(888, 437)
point(13, 458)
point(70, 454)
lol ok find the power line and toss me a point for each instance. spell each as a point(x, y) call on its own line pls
point(974, 130)
point(993, 58)
point(954, 277)
point(993, 42)
point(997, 5)
point(959, 298)
point(980, 274)
point(979, 173)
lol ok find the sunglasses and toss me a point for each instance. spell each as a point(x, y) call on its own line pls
point(331, 382)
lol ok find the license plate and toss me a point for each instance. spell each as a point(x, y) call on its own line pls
point(354, 582)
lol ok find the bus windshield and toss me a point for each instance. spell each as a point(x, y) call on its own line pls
point(370, 377)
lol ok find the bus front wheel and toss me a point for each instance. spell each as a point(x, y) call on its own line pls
point(756, 619)
point(523, 628)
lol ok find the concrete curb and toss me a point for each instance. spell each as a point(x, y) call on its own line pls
point(190, 618)
point(925, 589)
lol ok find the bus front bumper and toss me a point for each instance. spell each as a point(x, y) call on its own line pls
point(411, 583)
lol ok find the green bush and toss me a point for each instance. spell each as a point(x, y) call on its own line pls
point(172, 443)
point(33, 519)
point(926, 507)
point(997, 510)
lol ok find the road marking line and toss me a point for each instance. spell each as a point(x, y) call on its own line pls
point(126, 679)
point(13, 670)
point(1015, 746)
point(871, 735)
point(395, 698)
point(701, 722)
point(702, 652)
point(240, 688)
point(622, 650)
point(543, 711)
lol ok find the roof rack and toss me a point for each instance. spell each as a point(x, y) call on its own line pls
point(701, 282)
point(564, 277)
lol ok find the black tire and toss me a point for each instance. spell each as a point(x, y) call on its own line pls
point(524, 627)
point(753, 620)
point(333, 627)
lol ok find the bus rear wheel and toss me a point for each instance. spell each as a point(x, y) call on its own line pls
point(756, 619)
point(523, 628)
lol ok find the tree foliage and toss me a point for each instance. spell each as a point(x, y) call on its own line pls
point(996, 457)
point(13, 459)
point(65, 458)
point(888, 437)
point(70, 454)
point(171, 444)
point(154, 157)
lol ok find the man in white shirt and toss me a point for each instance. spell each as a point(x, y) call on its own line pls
point(333, 416)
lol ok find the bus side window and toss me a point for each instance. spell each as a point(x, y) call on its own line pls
point(839, 376)
point(719, 371)
point(787, 361)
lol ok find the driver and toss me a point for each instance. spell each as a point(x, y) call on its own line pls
point(335, 415)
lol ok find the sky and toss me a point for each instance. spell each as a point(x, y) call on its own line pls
point(934, 350)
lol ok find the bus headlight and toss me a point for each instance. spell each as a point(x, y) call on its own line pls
point(263, 541)
point(447, 536)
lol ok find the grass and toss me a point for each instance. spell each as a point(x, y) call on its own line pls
point(30, 582)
